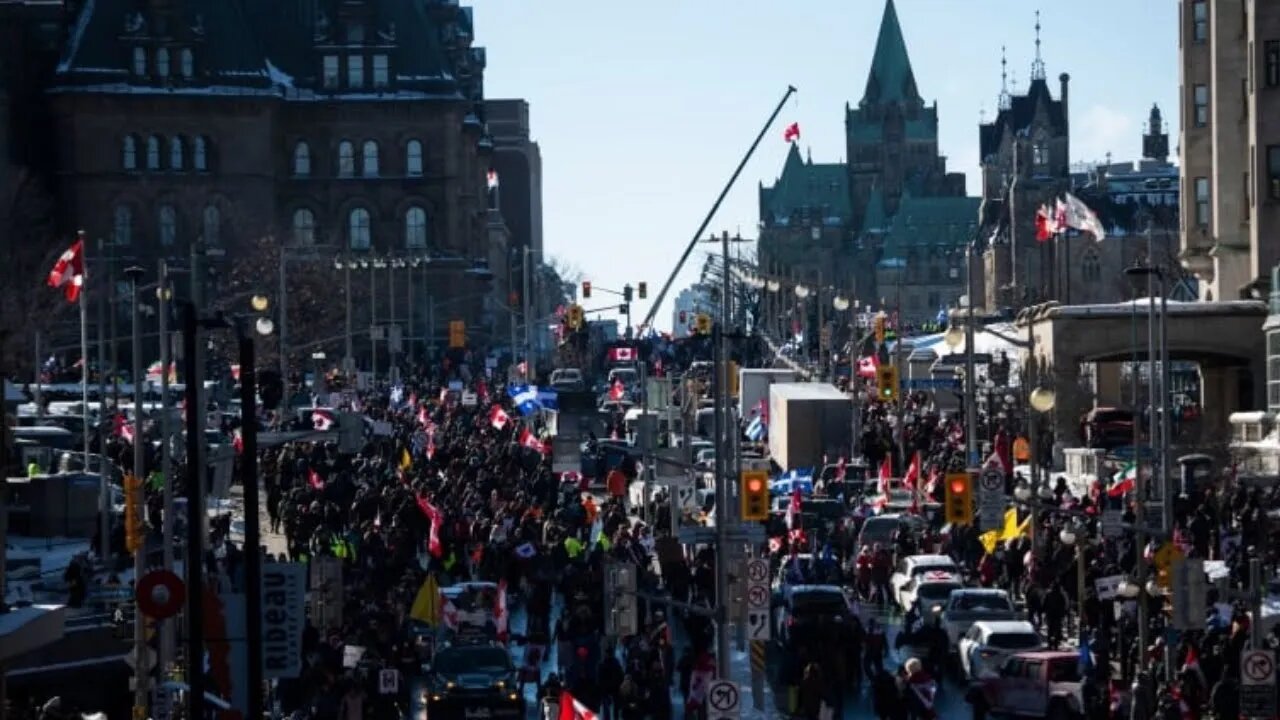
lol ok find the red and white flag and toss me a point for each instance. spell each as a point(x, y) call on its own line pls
point(622, 354)
point(867, 366)
point(498, 417)
point(886, 474)
point(322, 420)
point(123, 429)
point(1046, 223)
point(572, 709)
point(237, 442)
point(531, 441)
point(500, 615)
point(68, 272)
point(791, 133)
point(616, 390)
point(912, 475)
point(314, 480)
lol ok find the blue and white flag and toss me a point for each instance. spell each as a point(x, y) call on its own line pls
point(942, 317)
point(397, 395)
point(525, 398)
point(549, 400)
point(757, 429)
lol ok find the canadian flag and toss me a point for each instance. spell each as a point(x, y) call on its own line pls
point(500, 616)
point(622, 354)
point(572, 709)
point(498, 417)
point(237, 442)
point(322, 420)
point(867, 366)
point(791, 133)
point(68, 272)
point(886, 474)
point(123, 429)
point(531, 441)
point(616, 390)
point(314, 480)
point(913, 472)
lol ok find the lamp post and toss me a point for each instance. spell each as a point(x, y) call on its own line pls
point(140, 553)
point(1158, 382)
point(346, 264)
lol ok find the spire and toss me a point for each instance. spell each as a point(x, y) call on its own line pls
point(1005, 101)
point(1037, 65)
point(890, 78)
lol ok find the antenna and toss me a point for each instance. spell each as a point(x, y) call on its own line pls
point(1037, 65)
point(1005, 102)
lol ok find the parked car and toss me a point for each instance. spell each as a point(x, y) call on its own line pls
point(1042, 683)
point(969, 605)
point(810, 611)
point(987, 644)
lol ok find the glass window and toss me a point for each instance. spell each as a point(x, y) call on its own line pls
point(1040, 154)
point(1200, 20)
point(301, 159)
point(1271, 63)
point(176, 152)
point(381, 71)
point(358, 229)
point(1273, 171)
point(168, 225)
point(1202, 201)
point(199, 154)
point(162, 62)
point(346, 159)
point(188, 63)
point(153, 153)
point(304, 227)
point(212, 225)
point(139, 61)
point(355, 71)
point(129, 153)
point(122, 232)
point(330, 71)
point(415, 228)
point(1201, 101)
point(370, 153)
point(413, 158)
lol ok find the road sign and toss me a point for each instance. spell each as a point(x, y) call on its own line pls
point(1108, 587)
point(757, 572)
point(141, 655)
point(698, 535)
point(1258, 683)
point(991, 498)
point(160, 594)
point(723, 700)
point(1189, 590)
point(388, 681)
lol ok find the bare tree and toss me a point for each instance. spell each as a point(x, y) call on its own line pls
point(567, 272)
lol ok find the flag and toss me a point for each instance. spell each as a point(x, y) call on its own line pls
point(436, 517)
point(616, 390)
point(498, 417)
point(622, 354)
point(531, 441)
point(1046, 223)
point(525, 398)
point(406, 462)
point(912, 476)
point(526, 551)
point(996, 460)
point(237, 442)
point(1080, 217)
point(932, 484)
point(791, 133)
point(793, 510)
point(491, 179)
point(68, 272)
point(426, 604)
point(500, 617)
point(156, 368)
point(757, 429)
point(1124, 482)
point(572, 709)
point(886, 473)
point(314, 479)
point(867, 366)
point(549, 400)
point(322, 420)
point(122, 428)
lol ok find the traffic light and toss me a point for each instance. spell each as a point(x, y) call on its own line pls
point(457, 333)
point(575, 316)
point(732, 368)
point(624, 309)
point(753, 492)
point(959, 500)
point(878, 324)
point(586, 289)
point(626, 293)
point(134, 507)
point(643, 289)
point(887, 382)
point(703, 324)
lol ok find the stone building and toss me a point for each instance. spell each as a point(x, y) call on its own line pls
point(352, 128)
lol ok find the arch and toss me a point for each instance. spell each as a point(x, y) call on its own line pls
point(346, 159)
point(168, 225)
point(302, 159)
point(162, 62)
point(211, 225)
point(416, 230)
point(304, 227)
point(359, 232)
point(129, 152)
point(177, 152)
point(188, 63)
point(200, 154)
point(369, 158)
point(139, 61)
point(122, 226)
point(153, 152)
point(413, 161)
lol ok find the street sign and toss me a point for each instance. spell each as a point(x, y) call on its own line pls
point(697, 535)
point(141, 655)
point(470, 399)
point(389, 681)
point(1258, 683)
point(1189, 589)
point(757, 599)
point(723, 700)
point(991, 498)
point(1108, 587)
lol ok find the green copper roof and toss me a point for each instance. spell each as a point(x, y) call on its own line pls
point(868, 131)
point(890, 78)
point(874, 221)
point(823, 187)
point(930, 224)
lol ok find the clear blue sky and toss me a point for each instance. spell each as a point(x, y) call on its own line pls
point(643, 109)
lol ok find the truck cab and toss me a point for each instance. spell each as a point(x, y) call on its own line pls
point(1044, 684)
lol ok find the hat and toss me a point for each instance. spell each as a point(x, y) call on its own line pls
point(912, 666)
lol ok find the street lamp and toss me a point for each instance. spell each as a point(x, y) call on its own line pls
point(259, 303)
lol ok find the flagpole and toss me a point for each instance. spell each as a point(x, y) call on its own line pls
point(104, 516)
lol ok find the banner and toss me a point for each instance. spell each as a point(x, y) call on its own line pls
point(284, 597)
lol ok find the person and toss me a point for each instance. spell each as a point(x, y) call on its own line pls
point(812, 691)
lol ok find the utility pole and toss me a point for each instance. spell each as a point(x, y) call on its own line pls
point(970, 373)
point(102, 334)
point(167, 634)
point(373, 321)
point(195, 519)
point(722, 501)
point(141, 669)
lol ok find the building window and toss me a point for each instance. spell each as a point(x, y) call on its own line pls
point(1200, 20)
point(176, 151)
point(168, 225)
point(212, 225)
point(413, 158)
point(301, 159)
point(381, 71)
point(1091, 268)
point(199, 154)
point(1202, 201)
point(1201, 100)
point(162, 62)
point(358, 229)
point(153, 153)
point(415, 228)
point(1273, 171)
point(355, 71)
point(1273, 371)
point(129, 153)
point(346, 159)
point(304, 227)
point(1271, 62)
point(331, 72)
point(1040, 154)
point(139, 61)
point(188, 63)
point(370, 164)
point(122, 232)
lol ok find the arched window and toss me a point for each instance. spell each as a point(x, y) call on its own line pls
point(168, 225)
point(212, 225)
point(302, 159)
point(358, 229)
point(188, 63)
point(304, 227)
point(162, 62)
point(129, 153)
point(122, 231)
point(139, 61)
point(153, 153)
point(176, 152)
point(370, 165)
point(199, 154)
point(346, 159)
point(413, 158)
point(415, 228)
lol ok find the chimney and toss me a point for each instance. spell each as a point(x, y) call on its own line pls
point(1063, 79)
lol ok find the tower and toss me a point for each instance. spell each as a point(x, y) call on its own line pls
point(1155, 143)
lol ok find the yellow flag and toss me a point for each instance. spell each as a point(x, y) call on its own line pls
point(1010, 524)
point(426, 605)
point(406, 462)
point(989, 539)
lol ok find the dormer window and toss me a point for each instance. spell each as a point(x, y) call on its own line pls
point(162, 62)
point(331, 73)
point(139, 61)
point(188, 63)
point(381, 71)
point(355, 71)
point(1040, 154)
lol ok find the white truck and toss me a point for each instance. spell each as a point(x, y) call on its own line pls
point(753, 386)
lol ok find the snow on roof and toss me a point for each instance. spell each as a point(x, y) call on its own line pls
point(77, 33)
point(1175, 307)
point(278, 76)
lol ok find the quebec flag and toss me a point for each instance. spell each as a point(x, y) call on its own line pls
point(549, 399)
point(525, 398)
point(757, 429)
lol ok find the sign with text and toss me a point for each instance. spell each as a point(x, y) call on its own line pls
point(991, 498)
point(284, 598)
point(1258, 683)
point(757, 572)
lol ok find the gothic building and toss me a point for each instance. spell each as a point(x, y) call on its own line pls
point(884, 227)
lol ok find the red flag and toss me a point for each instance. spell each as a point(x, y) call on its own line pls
point(573, 709)
point(314, 479)
point(913, 472)
point(498, 417)
point(237, 442)
point(500, 615)
point(791, 133)
point(1044, 224)
point(886, 473)
point(531, 441)
point(867, 366)
point(932, 485)
point(68, 271)
point(616, 390)
point(321, 420)
point(437, 519)
point(123, 429)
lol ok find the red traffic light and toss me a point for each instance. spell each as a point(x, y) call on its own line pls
point(959, 486)
point(754, 485)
